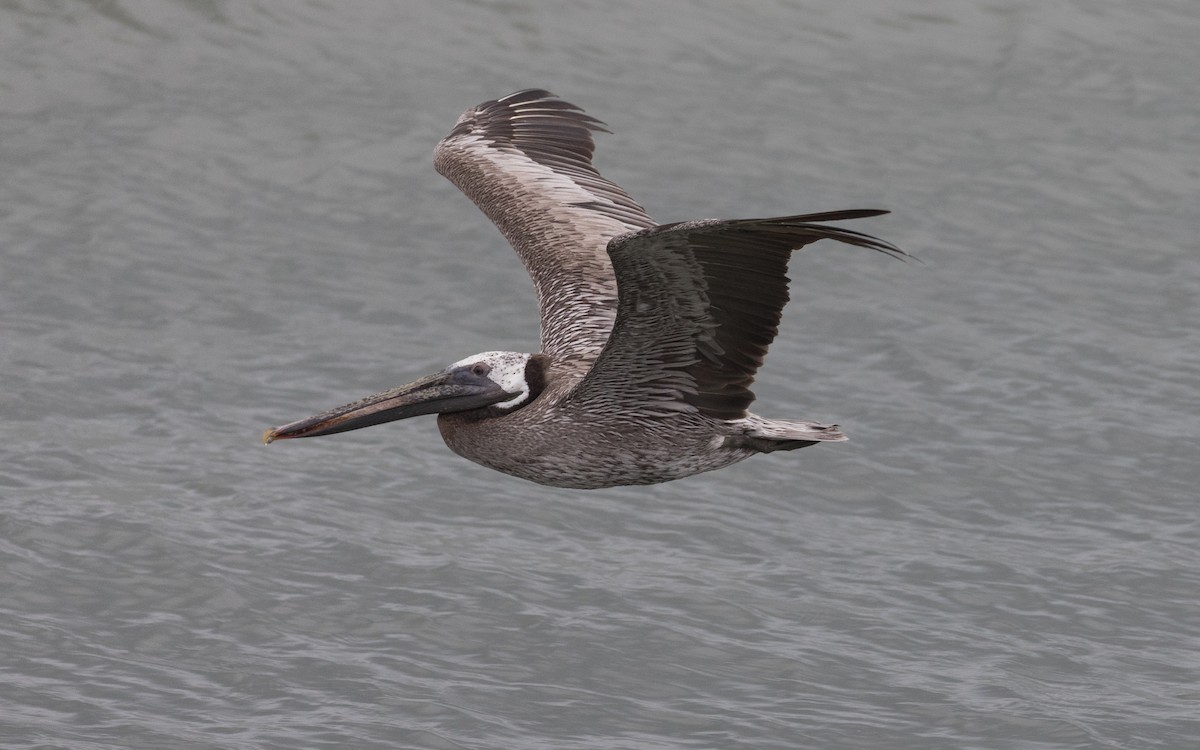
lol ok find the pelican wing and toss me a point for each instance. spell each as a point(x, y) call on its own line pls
point(699, 304)
point(526, 161)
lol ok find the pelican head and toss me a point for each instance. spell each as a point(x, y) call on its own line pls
point(498, 381)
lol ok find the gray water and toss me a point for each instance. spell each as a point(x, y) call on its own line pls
point(220, 216)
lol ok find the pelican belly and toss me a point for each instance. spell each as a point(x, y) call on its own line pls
point(588, 456)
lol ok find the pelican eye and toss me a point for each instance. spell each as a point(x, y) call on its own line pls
point(479, 369)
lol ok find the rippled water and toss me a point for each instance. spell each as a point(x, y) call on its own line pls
point(215, 217)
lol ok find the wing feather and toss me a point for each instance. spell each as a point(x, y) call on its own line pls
point(526, 161)
point(699, 304)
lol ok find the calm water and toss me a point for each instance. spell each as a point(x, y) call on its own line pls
point(216, 217)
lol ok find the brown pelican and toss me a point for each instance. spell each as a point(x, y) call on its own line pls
point(651, 334)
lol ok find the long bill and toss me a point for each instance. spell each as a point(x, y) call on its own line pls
point(441, 392)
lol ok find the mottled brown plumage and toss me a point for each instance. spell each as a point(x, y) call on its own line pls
point(651, 334)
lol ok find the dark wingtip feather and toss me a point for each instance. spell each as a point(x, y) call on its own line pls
point(848, 236)
point(523, 101)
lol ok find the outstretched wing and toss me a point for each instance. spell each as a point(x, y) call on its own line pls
point(700, 302)
point(526, 161)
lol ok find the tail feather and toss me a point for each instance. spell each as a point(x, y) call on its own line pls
point(768, 435)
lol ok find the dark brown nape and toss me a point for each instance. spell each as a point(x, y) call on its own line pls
point(535, 375)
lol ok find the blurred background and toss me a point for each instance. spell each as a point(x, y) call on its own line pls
point(216, 217)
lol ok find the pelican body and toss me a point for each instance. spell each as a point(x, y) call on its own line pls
point(651, 334)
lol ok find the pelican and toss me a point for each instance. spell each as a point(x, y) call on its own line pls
point(651, 334)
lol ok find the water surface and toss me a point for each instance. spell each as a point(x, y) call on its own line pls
point(217, 217)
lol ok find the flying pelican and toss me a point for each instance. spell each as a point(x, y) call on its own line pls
point(651, 333)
